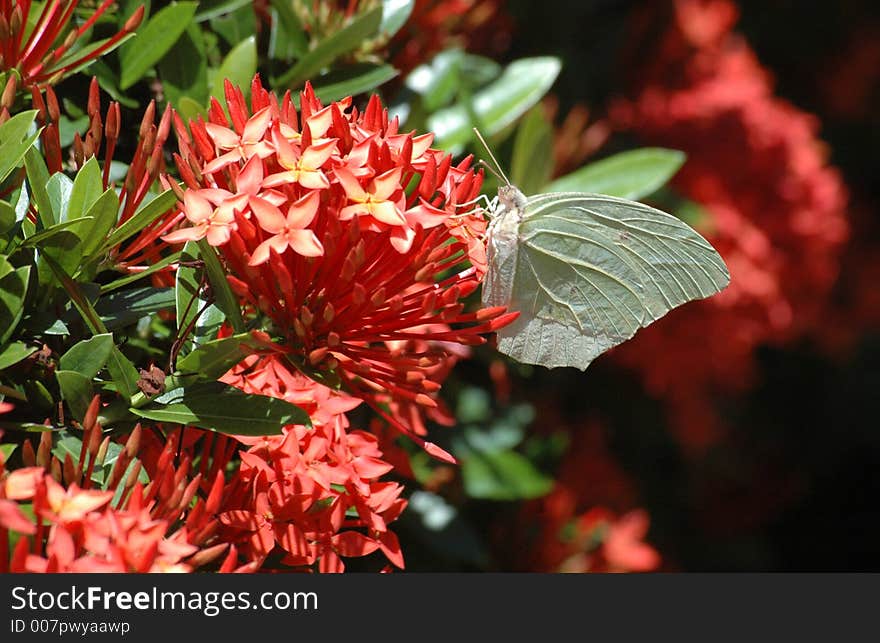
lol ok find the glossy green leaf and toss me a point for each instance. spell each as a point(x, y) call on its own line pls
point(13, 287)
point(187, 291)
point(209, 10)
point(235, 26)
point(354, 80)
point(504, 475)
point(88, 356)
point(76, 390)
point(225, 409)
point(347, 39)
point(59, 189)
point(395, 13)
point(15, 141)
point(123, 373)
point(77, 296)
point(121, 308)
point(224, 297)
point(64, 247)
point(153, 41)
point(38, 177)
point(99, 221)
point(189, 108)
point(86, 188)
point(14, 352)
point(211, 360)
point(440, 81)
point(184, 69)
point(532, 161)
point(40, 238)
point(197, 319)
point(146, 215)
point(500, 104)
point(238, 67)
point(288, 27)
point(629, 175)
point(7, 217)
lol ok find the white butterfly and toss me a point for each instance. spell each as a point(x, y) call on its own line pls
point(586, 271)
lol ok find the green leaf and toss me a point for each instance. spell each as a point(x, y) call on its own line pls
point(532, 161)
point(13, 353)
point(123, 372)
point(121, 308)
point(629, 175)
point(13, 287)
point(343, 41)
point(65, 248)
point(100, 219)
point(353, 80)
point(187, 287)
point(211, 10)
point(225, 409)
point(147, 214)
point(190, 302)
point(238, 67)
point(7, 450)
point(153, 41)
point(59, 188)
point(38, 177)
point(395, 13)
point(76, 390)
point(15, 142)
point(40, 238)
point(211, 360)
point(223, 295)
point(189, 108)
point(235, 26)
point(504, 475)
point(184, 69)
point(522, 84)
point(291, 26)
point(439, 82)
point(7, 217)
point(87, 187)
point(88, 356)
point(77, 297)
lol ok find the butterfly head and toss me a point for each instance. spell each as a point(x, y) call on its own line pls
point(511, 198)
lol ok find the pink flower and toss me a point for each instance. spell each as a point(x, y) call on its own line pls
point(290, 231)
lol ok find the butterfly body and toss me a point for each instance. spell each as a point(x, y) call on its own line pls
point(586, 271)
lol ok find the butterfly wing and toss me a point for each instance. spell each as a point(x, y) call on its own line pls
point(590, 270)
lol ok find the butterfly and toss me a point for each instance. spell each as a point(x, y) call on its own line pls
point(586, 271)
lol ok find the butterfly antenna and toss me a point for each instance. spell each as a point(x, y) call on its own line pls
point(497, 171)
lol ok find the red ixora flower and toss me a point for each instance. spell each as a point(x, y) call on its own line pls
point(775, 210)
point(345, 236)
point(45, 53)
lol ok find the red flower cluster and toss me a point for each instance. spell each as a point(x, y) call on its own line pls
point(36, 53)
point(124, 527)
point(775, 211)
point(299, 490)
point(345, 237)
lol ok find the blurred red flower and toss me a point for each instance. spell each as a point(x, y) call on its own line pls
point(774, 210)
